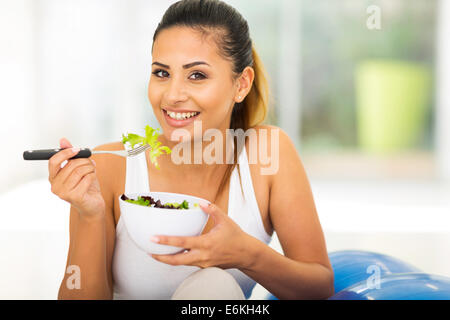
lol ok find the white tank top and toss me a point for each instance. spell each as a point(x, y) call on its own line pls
point(139, 276)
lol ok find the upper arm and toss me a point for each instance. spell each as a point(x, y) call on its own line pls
point(106, 169)
point(292, 210)
point(103, 170)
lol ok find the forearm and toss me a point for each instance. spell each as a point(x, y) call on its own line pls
point(286, 278)
point(88, 255)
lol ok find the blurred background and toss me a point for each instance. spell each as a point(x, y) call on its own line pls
point(362, 88)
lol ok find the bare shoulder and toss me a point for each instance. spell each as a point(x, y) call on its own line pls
point(274, 135)
point(276, 150)
point(264, 146)
point(292, 208)
point(110, 146)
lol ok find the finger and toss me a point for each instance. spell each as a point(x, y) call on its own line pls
point(181, 242)
point(183, 258)
point(214, 211)
point(64, 143)
point(77, 175)
point(60, 179)
point(72, 165)
point(83, 186)
point(54, 163)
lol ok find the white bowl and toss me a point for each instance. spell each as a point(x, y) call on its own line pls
point(144, 222)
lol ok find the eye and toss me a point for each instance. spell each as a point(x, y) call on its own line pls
point(156, 72)
point(200, 76)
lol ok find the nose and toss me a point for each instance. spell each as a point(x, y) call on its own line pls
point(176, 90)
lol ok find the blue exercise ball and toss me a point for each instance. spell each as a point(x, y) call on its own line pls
point(402, 286)
point(353, 266)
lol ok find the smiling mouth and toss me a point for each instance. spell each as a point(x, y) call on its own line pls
point(180, 116)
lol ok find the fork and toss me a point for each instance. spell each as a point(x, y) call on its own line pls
point(46, 154)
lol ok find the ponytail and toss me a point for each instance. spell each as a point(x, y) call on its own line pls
point(249, 113)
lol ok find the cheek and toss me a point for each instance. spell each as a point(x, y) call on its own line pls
point(216, 101)
point(151, 93)
point(154, 94)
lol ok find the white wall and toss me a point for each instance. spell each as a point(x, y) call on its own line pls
point(17, 90)
point(72, 68)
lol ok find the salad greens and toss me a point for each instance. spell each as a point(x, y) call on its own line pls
point(183, 205)
point(151, 138)
point(140, 201)
point(148, 201)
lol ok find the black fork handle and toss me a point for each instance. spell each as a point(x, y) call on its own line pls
point(46, 154)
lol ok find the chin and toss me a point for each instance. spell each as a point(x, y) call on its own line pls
point(168, 134)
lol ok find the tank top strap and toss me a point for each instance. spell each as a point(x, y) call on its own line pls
point(136, 180)
point(249, 195)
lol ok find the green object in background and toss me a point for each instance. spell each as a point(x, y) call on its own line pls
point(392, 104)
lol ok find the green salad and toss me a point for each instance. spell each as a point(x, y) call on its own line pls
point(151, 138)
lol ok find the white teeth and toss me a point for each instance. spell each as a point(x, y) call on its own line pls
point(181, 116)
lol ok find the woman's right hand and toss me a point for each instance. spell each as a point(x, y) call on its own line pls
point(76, 182)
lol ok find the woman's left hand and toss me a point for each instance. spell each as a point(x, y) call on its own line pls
point(223, 246)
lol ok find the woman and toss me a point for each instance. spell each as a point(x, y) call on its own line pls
point(204, 65)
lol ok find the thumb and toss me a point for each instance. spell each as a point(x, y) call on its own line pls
point(64, 143)
point(214, 211)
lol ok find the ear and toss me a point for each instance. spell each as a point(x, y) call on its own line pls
point(244, 83)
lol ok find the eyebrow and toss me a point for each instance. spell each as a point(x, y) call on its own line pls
point(186, 66)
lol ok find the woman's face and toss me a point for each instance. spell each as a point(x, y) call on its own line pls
point(190, 82)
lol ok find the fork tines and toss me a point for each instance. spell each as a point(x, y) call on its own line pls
point(138, 150)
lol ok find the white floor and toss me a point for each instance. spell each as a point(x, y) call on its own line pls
point(409, 220)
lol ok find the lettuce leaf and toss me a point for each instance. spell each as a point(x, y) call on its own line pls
point(140, 201)
point(183, 205)
point(151, 138)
